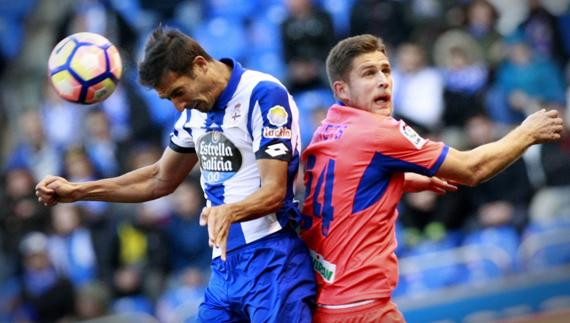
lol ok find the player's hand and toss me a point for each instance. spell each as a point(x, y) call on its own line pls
point(543, 126)
point(54, 189)
point(218, 219)
point(417, 183)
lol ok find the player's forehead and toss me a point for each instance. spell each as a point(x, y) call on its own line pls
point(371, 59)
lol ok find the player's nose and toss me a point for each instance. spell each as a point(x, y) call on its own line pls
point(383, 81)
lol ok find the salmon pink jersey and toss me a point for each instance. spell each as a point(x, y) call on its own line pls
point(354, 177)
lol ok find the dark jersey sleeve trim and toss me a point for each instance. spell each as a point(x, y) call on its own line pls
point(179, 149)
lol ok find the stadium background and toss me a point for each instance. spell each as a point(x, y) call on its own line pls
point(464, 71)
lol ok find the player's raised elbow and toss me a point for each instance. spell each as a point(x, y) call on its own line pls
point(475, 172)
point(162, 190)
point(464, 167)
point(473, 179)
point(160, 185)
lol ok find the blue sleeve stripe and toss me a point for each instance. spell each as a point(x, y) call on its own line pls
point(439, 161)
point(398, 165)
point(250, 116)
point(188, 117)
point(376, 177)
point(373, 183)
point(268, 94)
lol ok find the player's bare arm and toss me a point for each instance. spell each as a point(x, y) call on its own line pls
point(267, 199)
point(143, 184)
point(480, 164)
point(417, 183)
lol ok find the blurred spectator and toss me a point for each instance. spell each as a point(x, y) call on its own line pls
point(132, 245)
point(141, 127)
point(187, 241)
point(307, 34)
point(137, 246)
point(79, 168)
point(418, 212)
point(430, 18)
point(71, 246)
point(62, 120)
point(92, 301)
point(465, 75)
point(138, 230)
point(481, 23)
point(127, 113)
point(524, 84)
point(96, 214)
point(542, 33)
point(504, 198)
point(129, 292)
point(179, 303)
point(164, 10)
point(553, 199)
point(34, 151)
point(418, 88)
point(20, 213)
point(312, 104)
point(47, 296)
point(103, 150)
point(383, 18)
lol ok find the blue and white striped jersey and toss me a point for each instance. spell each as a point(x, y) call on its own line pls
point(254, 118)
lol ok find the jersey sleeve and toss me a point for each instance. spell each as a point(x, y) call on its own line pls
point(404, 150)
point(181, 136)
point(271, 122)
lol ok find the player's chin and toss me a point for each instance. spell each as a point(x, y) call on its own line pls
point(382, 109)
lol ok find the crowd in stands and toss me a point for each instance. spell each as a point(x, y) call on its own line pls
point(464, 72)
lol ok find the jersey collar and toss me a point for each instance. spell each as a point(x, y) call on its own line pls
point(226, 95)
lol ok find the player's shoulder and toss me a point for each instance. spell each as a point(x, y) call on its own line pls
point(255, 78)
point(390, 132)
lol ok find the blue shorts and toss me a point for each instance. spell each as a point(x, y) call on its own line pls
point(269, 280)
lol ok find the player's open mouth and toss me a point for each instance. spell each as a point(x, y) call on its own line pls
point(382, 99)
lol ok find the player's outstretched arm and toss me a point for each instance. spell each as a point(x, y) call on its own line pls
point(480, 164)
point(267, 199)
point(143, 184)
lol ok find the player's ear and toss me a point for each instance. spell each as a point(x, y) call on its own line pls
point(199, 62)
point(341, 90)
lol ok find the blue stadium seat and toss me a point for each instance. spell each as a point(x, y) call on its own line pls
point(222, 37)
point(264, 35)
point(133, 304)
point(340, 12)
point(231, 9)
point(11, 36)
point(545, 245)
point(430, 266)
point(494, 253)
point(16, 9)
point(267, 61)
point(12, 15)
point(308, 102)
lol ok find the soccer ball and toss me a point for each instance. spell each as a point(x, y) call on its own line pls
point(84, 68)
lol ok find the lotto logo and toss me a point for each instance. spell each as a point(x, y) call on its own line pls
point(276, 150)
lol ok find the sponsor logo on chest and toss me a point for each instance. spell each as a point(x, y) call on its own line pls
point(219, 158)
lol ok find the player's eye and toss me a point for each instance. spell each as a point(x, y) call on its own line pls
point(176, 94)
